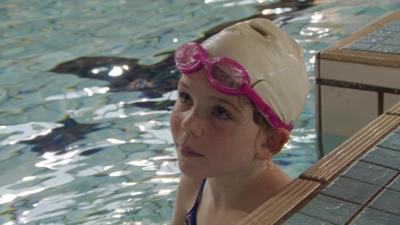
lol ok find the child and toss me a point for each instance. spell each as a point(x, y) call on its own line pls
point(239, 95)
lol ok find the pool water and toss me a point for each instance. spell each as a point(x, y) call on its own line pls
point(86, 89)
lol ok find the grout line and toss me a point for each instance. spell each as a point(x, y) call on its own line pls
point(395, 177)
point(373, 198)
point(387, 148)
point(362, 181)
point(376, 164)
point(324, 220)
point(341, 199)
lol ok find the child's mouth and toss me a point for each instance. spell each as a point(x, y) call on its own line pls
point(188, 152)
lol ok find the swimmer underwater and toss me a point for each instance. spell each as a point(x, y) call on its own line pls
point(239, 96)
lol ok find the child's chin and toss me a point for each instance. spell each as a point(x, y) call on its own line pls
point(191, 171)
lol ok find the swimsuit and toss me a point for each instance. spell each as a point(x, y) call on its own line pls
point(192, 214)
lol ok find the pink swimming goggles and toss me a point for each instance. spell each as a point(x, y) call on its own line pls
point(226, 75)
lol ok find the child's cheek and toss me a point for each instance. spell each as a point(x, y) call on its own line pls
point(175, 122)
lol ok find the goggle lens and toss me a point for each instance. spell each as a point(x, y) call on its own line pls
point(185, 56)
point(227, 75)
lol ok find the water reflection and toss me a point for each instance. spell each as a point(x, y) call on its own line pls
point(127, 75)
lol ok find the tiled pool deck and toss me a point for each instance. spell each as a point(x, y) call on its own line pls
point(359, 182)
point(384, 39)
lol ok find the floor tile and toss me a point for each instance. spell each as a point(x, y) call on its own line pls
point(392, 41)
point(370, 173)
point(300, 219)
point(375, 217)
point(351, 190)
point(330, 209)
point(360, 46)
point(385, 48)
point(388, 201)
point(383, 157)
point(392, 142)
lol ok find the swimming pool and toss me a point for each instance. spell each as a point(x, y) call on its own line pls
point(85, 93)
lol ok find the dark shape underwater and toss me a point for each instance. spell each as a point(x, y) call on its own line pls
point(125, 74)
point(60, 138)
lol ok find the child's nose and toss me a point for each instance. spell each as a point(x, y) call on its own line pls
point(192, 123)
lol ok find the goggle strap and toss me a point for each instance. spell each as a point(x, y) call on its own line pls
point(266, 110)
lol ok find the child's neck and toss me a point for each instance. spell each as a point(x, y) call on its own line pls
point(246, 191)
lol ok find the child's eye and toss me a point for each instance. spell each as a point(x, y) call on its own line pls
point(221, 113)
point(184, 98)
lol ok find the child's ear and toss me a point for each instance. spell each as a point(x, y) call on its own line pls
point(272, 142)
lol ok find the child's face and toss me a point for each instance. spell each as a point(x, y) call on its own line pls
point(214, 133)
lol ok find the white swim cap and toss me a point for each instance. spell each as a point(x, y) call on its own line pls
point(273, 60)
